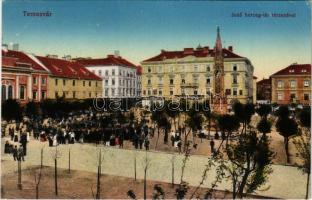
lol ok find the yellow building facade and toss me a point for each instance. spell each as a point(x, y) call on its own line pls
point(191, 73)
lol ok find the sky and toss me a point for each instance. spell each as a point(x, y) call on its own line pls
point(140, 29)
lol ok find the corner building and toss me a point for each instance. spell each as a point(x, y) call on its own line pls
point(191, 72)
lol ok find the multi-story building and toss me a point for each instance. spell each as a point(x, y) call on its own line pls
point(292, 85)
point(264, 90)
point(69, 79)
point(192, 72)
point(119, 75)
point(22, 77)
point(139, 81)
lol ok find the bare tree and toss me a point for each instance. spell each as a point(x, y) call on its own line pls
point(135, 166)
point(38, 175)
point(147, 163)
point(172, 170)
point(56, 155)
point(98, 185)
point(69, 160)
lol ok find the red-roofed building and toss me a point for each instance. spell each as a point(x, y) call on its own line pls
point(22, 77)
point(200, 73)
point(119, 75)
point(292, 85)
point(70, 79)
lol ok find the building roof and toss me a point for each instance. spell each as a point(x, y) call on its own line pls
point(198, 52)
point(22, 57)
point(108, 61)
point(139, 70)
point(13, 62)
point(295, 69)
point(67, 69)
point(264, 81)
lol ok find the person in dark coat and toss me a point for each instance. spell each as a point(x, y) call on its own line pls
point(212, 143)
point(7, 147)
point(15, 153)
point(23, 141)
point(146, 144)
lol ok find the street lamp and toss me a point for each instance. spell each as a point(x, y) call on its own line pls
point(19, 158)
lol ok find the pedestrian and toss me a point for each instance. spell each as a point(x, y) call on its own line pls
point(172, 137)
point(179, 145)
point(23, 141)
point(20, 154)
point(15, 153)
point(212, 143)
point(146, 144)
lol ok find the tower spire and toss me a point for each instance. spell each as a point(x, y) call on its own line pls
point(218, 41)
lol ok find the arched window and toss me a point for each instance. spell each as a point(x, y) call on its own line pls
point(4, 97)
point(10, 92)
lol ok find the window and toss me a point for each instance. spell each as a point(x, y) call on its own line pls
point(149, 92)
point(306, 97)
point(113, 92)
point(195, 92)
point(183, 91)
point(171, 91)
point(195, 68)
point(64, 95)
point(34, 80)
point(234, 79)
point(280, 84)
point(113, 81)
point(22, 92)
point(160, 80)
point(100, 72)
point(64, 82)
point(84, 83)
point(35, 95)
point(155, 92)
point(106, 82)
point(149, 81)
point(182, 68)
point(240, 92)
point(280, 96)
point(171, 68)
point(208, 68)
point(43, 80)
point(113, 72)
point(89, 94)
point(56, 81)
point(74, 82)
point(43, 95)
point(171, 81)
point(292, 96)
point(160, 92)
point(149, 70)
point(144, 92)
point(89, 83)
point(292, 84)
point(106, 72)
point(106, 92)
point(56, 94)
point(235, 68)
point(183, 81)
point(74, 94)
point(120, 72)
point(195, 80)
point(159, 69)
point(228, 91)
point(234, 91)
point(208, 81)
point(10, 92)
point(96, 84)
point(306, 83)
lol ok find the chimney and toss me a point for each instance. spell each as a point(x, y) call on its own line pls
point(67, 57)
point(162, 51)
point(230, 48)
point(52, 56)
point(188, 51)
point(15, 47)
point(110, 56)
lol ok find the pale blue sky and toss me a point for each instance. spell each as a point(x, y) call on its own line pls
point(140, 29)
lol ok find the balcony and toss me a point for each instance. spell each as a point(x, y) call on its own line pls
point(189, 85)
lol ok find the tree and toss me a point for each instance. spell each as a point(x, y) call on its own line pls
point(11, 110)
point(56, 155)
point(303, 146)
point(38, 176)
point(264, 110)
point(172, 112)
point(264, 126)
point(249, 163)
point(32, 109)
point(147, 163)
point(227, 124)
point(244, 113)
point(287, 128)
point(194, 122)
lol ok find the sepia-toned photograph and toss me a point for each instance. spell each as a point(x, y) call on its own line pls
point(152, 99)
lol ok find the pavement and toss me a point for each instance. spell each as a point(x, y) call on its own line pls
point(284, 182)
